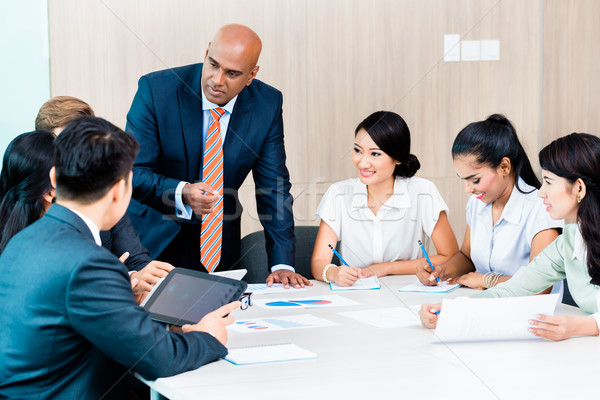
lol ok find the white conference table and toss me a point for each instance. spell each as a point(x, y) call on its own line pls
point(357, 360)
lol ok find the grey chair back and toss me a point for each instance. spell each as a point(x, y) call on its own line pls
point(254, 256)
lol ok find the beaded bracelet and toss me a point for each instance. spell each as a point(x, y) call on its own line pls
point(490, 279)
point(325, 272)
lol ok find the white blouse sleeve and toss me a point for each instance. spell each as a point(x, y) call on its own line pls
point(470, 209)
point(431, 204)
point(330, 209)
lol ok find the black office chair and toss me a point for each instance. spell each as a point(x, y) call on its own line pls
point(567, 298)
point(254, 256)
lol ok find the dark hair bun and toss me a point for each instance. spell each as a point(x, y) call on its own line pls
point(498, 118)
point(409, 167)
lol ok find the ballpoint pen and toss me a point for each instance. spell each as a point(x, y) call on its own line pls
point(428, 260)
point(338, 255)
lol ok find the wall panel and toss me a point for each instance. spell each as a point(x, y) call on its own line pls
point(336, 61)
point(571, 74)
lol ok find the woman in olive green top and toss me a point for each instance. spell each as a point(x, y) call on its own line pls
point(571, 190)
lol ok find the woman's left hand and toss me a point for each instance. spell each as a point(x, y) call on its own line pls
point(473, 280)
point(367, 272)
point(561, 327)
point(375, 270)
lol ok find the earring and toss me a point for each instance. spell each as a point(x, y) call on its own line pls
point(578, 198)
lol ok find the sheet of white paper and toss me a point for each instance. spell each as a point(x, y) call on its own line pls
point(392, 317)
point(262, 288)
point(467, 319)
point(236, 274)
point(419, 287)
point(279, 323)
point(269, 353)
point(369, 283)
point(305, 302)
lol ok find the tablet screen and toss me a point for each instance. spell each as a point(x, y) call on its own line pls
point(186, 298)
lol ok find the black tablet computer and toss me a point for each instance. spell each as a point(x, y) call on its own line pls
point(185, 296)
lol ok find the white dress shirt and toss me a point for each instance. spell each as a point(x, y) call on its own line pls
point(409, 215)
point(505, 246)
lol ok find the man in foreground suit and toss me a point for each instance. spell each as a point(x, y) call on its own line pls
point(122, 240)
point(71, 324)
point(180, 117)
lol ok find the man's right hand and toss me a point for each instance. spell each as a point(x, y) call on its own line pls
point(215, 322)
point(200, 197)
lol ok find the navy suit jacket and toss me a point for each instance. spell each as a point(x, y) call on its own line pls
point(166, 119)
point(70, 324)
point(123, 238)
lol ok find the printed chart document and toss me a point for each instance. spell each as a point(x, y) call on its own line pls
point(236, 274)
point(393, 317)
point(305, 302)
point(263, 288)
point(419, 287)
point(465, 319)
point(267, 354)
point(270, 324)
point(370, 283)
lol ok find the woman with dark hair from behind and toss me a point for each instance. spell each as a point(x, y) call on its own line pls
point(571, 191)
point(25, 189)
point(380, 216)
point(507, 225)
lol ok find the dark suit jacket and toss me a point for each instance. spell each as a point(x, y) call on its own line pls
point(70, 323)
point(166, 118)
point(123, 238)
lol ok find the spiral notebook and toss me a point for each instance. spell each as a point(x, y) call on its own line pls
point(267, 354)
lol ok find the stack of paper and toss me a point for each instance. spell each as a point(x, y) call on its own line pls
point(466, 319)
point(267, 354)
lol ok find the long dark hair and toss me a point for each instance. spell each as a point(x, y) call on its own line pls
point(23, 182)
point(577, 156)
point(390, 133)
point(492, 140)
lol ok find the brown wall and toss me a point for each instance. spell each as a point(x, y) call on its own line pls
point(336, 61)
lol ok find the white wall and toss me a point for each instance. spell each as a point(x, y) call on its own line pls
point(25, 66)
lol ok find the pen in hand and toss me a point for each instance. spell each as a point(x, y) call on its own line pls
point(428, 260)
point(338, 255)
point(342, 259)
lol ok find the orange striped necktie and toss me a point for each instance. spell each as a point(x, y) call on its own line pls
point(212, 174)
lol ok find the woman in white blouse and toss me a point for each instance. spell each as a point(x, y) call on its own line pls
point(380, 216)
point(507, 225)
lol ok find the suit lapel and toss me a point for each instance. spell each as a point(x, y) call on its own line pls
point(238, 133)
point(190, 108)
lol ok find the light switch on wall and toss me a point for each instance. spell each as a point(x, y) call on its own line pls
point(490, 50)
point(471, 50)
point(451, 48)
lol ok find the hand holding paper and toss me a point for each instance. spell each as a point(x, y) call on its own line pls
point(477, 319)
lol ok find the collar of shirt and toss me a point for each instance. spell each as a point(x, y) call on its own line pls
point(513, 209)
point(399, 199)
point(579, 249)
point(91, 225)
point(207, 105)
point(207, 117)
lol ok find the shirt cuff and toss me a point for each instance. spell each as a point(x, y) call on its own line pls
point(182, 211)
point(282, 266)
point(597, 318)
